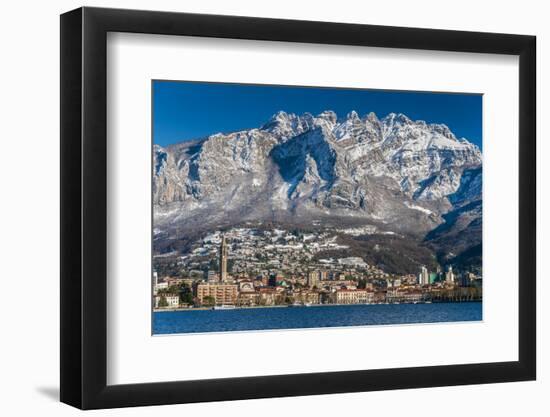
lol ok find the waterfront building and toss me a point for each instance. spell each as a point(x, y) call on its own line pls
point(344, 296)
point(307, 297)
point(393, 294)
point(404, 296)
point(412, 296)
point(348, 296)
point(173, 300)
point(248, 298)
point(379, 296)
point(221, 293)
point(312, 279)
point(268, 296)
point(365, 296)
point(161, 286)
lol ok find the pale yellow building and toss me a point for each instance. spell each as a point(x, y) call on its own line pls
point(347, 296)
point(221, 293)
point(313, 279)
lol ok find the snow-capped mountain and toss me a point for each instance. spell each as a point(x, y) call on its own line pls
point(395, 173)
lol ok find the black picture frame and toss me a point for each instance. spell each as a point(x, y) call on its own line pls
point(84, 207)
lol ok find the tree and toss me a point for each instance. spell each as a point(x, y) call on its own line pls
point(183, 290)
point(186, 296)
point(173, 289)
point(208, 301)
point(162, 302)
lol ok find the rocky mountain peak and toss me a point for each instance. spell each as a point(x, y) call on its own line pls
point(365, 169)
point(352, 115)
point(329, 116)
point(372, 118)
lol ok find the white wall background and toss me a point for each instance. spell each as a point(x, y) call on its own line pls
point(29, 225)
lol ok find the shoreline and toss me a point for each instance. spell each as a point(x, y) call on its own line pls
point(166, 310)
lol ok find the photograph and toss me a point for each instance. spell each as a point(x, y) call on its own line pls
point(291, 207)
point(247, 208)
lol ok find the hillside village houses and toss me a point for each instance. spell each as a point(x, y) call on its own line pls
point(278, 276)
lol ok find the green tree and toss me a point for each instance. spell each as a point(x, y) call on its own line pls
point(208, 301)
point(163, 302)
point(186, 295)
point(174, 289)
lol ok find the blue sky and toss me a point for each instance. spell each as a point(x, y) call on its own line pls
point(189, 110)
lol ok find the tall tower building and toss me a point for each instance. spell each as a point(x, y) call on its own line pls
point(223, 260)
point(450, 276)
point(424, 277)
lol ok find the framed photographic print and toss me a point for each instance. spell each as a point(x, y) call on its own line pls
point(291, 208)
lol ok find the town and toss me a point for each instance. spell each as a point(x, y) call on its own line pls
point(246, 267)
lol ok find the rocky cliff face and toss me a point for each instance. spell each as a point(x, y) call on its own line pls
point(401, 175)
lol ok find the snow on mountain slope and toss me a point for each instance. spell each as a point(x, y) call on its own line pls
point(402, 173)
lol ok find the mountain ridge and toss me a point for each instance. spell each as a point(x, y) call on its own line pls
point(400, 175)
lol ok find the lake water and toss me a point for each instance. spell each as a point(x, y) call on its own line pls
point(203, 321)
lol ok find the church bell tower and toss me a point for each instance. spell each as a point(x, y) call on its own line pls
point(223, 260)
